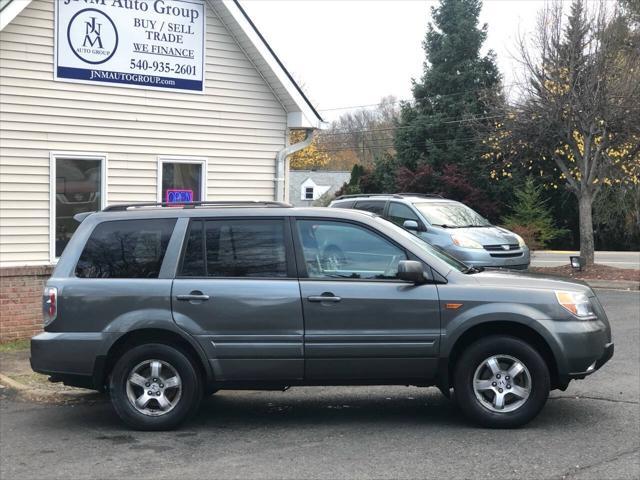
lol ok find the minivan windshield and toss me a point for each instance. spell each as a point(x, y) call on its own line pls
point(431, 249)
point(451, 215)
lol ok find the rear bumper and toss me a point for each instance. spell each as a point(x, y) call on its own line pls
point(71, 358)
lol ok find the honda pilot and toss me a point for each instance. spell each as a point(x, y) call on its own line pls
point(160, 306)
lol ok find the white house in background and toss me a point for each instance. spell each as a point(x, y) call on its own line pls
point(307, 186)
point(108, 102)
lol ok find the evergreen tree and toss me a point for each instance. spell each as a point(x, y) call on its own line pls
point(459, 86)
point(531, 217)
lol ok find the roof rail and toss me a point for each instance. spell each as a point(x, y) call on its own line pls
point(356, 195)
point(393, 195)
point(219, 203)
point(426, 195)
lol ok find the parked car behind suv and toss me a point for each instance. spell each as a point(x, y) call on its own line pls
point(447, 224)
point(159, 306)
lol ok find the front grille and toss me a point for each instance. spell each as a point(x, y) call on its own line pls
point(506, 255)
point(500, 248)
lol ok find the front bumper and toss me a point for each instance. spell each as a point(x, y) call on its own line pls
point(606, 356)
point(71, 358)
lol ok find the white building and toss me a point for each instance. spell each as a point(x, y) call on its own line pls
point(109, 101)
point(306, 187)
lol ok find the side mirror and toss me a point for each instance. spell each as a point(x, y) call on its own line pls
point(411, 271)
point(411, 225)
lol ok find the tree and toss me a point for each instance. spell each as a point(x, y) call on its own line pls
point(456, 89)
point(362, 136)
point(531, 216)
point(309, 158)
point(436, 145)
point(579, 117)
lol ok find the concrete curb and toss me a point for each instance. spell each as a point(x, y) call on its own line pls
point(626, 285)
point(41, 395)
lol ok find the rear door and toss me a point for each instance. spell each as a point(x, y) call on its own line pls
point(236, 291)
point(361, 322)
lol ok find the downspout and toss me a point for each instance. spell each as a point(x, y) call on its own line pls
point(281, 158)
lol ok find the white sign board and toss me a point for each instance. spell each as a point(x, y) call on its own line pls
point(143, 43)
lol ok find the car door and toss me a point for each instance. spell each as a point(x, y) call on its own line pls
point(361, 322)
point(237, 292)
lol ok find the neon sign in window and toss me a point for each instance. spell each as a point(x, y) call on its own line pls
point(179, 196)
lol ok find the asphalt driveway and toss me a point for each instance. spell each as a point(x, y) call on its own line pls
point(591, 431)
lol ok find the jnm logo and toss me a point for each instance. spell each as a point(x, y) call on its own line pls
point(92, 36)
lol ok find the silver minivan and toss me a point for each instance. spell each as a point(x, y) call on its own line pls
point(447, 224)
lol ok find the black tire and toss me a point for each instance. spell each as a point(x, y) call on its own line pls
point(186, 404)
point(472, 359)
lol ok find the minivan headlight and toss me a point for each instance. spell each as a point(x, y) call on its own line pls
point(521, 243)
point(464, 242)
point(575, 302)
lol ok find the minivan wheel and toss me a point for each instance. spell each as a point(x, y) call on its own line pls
point(501, 382)
point(155, 387)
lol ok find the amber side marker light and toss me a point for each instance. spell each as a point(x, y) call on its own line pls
point(452, 306)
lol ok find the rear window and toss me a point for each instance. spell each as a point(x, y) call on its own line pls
point(372, 206)
point(126, 249)
point(235, 248)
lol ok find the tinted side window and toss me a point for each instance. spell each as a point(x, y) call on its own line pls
point(344, 250)
point(371, 206)
point(399, 213)
point(235, 248)
point(126, 249)
point(348, 204)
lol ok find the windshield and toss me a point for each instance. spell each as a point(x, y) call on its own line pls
point(451, 215)
point(430, 249)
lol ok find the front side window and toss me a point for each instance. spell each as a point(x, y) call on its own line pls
point(235, 248)
point(399, 213)
point(78, 189)
point(344, 250)
point(126, 249)
point(181, 182)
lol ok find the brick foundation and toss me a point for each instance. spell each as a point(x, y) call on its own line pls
point(21, 301)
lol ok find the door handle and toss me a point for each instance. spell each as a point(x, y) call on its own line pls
point(193, 296)
point(324, 298)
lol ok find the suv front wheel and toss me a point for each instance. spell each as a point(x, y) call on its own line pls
point(501, 382)
point(155, 387)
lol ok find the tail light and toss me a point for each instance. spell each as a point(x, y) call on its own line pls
point(50, 305)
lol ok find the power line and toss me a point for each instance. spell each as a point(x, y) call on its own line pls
point(444, 95)
point(446, 122)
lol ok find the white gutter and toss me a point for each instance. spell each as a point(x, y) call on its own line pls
point(281, 158)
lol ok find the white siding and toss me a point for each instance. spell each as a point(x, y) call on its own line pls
point(238, 125)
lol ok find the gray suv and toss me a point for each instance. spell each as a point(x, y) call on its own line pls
point(160, 306)
point(447, 224)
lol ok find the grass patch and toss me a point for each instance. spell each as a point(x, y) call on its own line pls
point(15, 345)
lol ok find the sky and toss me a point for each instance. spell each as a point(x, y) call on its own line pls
point(347, 53)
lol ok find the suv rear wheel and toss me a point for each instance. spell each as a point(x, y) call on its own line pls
point(155, 387)
point(501, 382)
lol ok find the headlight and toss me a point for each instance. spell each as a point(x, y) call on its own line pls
point(575, 302)
point(521, 243)
point(464, 242)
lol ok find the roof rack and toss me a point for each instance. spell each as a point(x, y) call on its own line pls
point(426, 195)
point(393, 195)
point(220, 203)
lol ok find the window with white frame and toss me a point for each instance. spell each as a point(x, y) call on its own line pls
point(181, 180)
point(77, 186)
point(308, 193)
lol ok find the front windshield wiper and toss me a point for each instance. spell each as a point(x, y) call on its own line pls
point(472, 270)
